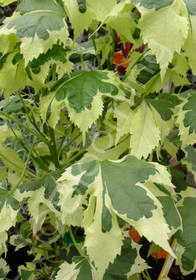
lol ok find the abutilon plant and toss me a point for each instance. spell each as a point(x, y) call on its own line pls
point(85, 152)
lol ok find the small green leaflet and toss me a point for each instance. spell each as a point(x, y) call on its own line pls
point(153, 4)
point(187, 237)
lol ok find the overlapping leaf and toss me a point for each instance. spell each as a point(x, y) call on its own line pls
point(106, 188)
point(174, 25)
point(150, 4)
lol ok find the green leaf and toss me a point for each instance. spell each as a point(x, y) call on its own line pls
point(187, 237)
point(82, 95)
point(81, 89)
point(149, 66)
point(190, 116)
point(191, 6)
point(171, 213)
point(153, 4)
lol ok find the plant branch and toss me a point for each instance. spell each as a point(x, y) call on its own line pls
point(25, 168)
point(25, 127)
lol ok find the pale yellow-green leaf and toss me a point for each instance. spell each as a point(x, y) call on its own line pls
point(190, 45)
point(32, 48)
point(101, 8)
point(71, 207)
point(13, 77)
point(80, 21)
point(7, 211)
point(96, 241)
point(145, 133)
point(173, 22)
point(101, 148)
point(11, 158)
point(86, 118)
point(121, 21)
point(39, 208)
point(6, 2)
point(125, 118)
point(104, 46)
point(67, 272)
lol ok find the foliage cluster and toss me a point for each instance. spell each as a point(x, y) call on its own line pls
point(87, 153)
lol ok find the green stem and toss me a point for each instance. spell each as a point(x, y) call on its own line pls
point(95, 48)
point(174, 164)
point(69, 143)
point(76, 244)
point(24, 126)
point(25, 168)
point(53, 149)
point(82, 62)
point(31, 118)
point(73, 158)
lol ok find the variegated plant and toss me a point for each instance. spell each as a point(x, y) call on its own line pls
point(85, 154)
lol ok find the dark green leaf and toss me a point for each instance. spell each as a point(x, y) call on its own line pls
point(187, 237)
point(81, 89)
point(150, 68)
point(190, 116)
point(170, 212)
point(191, 6)
point(164, 104)
point(38, 18)
point(153, 4)
point(123, 262)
